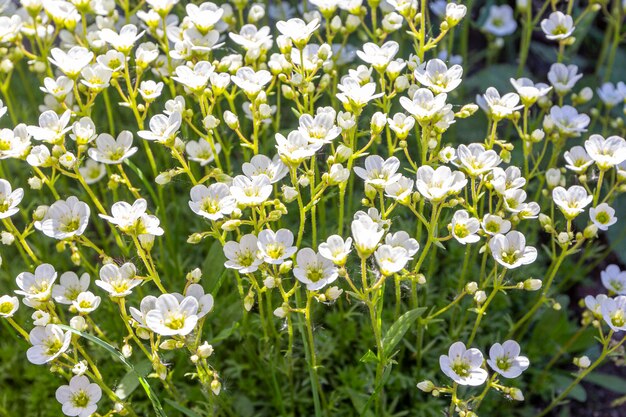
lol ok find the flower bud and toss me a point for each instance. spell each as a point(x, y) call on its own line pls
point(553, 177)
point(35, 183)
point(216, 387)
point(516, 394)
point(78, 323)
point(194, 276)
point(248, 301)
point(127, 350)
point(280, 312)
point(285, 267)
point(204, 350)
point(480, 297)
point(532, 284)
point(333, 293)
point(231, 120)
point(583, 362)
point(426, 386)
point(563, 238)
point(590, 231)
point(269, 282)
point(7, 238)
point(471, 287)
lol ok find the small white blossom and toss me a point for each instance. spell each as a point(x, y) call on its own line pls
point(314, 270)
point(603, 216)
point(572, 201)
point(463, 365)
point(558, 26)
point(65, 219)
point(79, 398)
point(171, 316)
point(510, 250)
point(614, 279)
point(213, 202)
point(48, 343)
point(276, 247)
point(243, 255)
point(505, 359)
point(118, 281)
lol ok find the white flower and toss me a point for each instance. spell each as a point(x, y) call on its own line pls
point(65, 219)
point(118, 281)
point(614, 312)
point(494, 225)
point(400, 190)
point(507, 180)
point(501, 107)
point(171, 317)
point(8, 306)
point(86, 302)
point(14, 143)
point(250, 81)
point(314, 270)
point(69, 286)
point(475, 160)
point(39, 156)
point(336, 249)
point(204, 17)
point(213, 202)
point(402, 239)
point(52, 128)
point(367, 234)
point(274, 168)
point(205, 301)
point(610, 95)
point(251, 192)
point(113, 60)
point(568, 121)
point(528, 91)
point(505, 359)
point(9, 199)
point(163, 128)
point(147, 304)
point(320, 128)
point(276, 247)
point(510, 250)
point(113, 151)
point(463, 365)
point(379, 56)
point(454, 13)
point(133, 219)
point(58, 88)
point(563, 77)
point(83, 131)
point(96, 77)
point(391, 259)
point(614, 279)
point(201, 151)
point(436, 185)
point(195, 79)
point(594, 304)
point(424, 105)
point(355, 95)
point(79, 398)
point(379, 172)
point(606, 152)
point(401, 124)
point(124, 41)
point(252, 38)
point(500, 21)
point(578, 160)
point(72, 61)
point(437, 77)
point(37, 287)
point(243, 255)
point(603, 216)
point(572, 201)
point(298, 30)
point(558, 26)
point(150, 90)
point(48, 342)
point(464, 227)
point(296, 147)
point(93, 171)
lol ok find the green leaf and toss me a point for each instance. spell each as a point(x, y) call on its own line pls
point(186, 411)
point(156, 404)
point(129, 382)
point(610, 382)
point(397, 330)
point(369, 357)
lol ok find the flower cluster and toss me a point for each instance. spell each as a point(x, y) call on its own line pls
point(331, 172)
